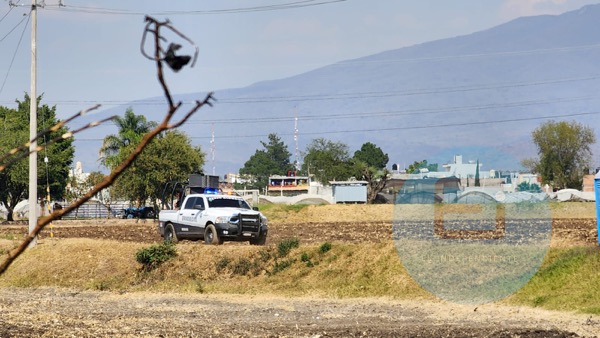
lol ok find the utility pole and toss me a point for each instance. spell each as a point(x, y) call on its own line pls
point(33, 127)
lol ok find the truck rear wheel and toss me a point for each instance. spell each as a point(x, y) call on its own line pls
point(170, 235)
point(211, 236)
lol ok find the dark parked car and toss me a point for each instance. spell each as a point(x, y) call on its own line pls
point(141, 212)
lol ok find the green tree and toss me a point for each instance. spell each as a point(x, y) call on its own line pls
point(416, 166)
point(372, 155)
point(564, 153)
point(274, 159)
point(131, 130)
point(94, 178)
point(477, 182)
point(169, 157)
point(328, 161)
point(14, 131)
point(370, 163)
point(526, 186)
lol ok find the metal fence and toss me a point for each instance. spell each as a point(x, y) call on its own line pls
point(95, 210)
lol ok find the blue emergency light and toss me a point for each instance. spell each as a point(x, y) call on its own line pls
point(211, 191)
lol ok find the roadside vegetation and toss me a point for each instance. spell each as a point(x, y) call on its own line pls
point(569, 279)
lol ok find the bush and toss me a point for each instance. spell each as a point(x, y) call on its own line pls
point(222, 263)
point(284, 247)
point(325, 247)
point(155, 255)
point(282, 265)
point(241, 266)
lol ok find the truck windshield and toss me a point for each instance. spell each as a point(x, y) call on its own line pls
point(227, 203)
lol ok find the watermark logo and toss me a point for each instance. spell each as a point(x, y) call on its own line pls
point(470, 247)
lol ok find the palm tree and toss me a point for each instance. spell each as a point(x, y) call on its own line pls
point(131, 130)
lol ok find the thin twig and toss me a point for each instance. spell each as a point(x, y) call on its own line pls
point(64, 136)
point(108, 180)
point(48, 130)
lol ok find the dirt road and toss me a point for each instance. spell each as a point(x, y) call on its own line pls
point(47, 312)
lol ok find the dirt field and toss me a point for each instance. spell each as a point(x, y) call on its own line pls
point(65, 313)
point(49, 312)
point(566, 231)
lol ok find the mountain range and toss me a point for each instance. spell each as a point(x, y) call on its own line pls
point(479, 95)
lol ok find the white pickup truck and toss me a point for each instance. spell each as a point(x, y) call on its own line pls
point(215, 218)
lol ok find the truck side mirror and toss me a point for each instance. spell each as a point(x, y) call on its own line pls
point(198, 207)
point(255, 208)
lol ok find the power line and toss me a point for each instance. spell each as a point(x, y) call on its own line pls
point(379, 94)
point(116, 11)
point(467, 56)
point(446, 125)
point(462, 124)
point(390, 113)
point(15, 53)
point(10, 8)
point(5, 15)
point(15, 27)
point(386, 113)
point(344, 96)
point(339, 96)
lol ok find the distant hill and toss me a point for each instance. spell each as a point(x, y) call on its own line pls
point(480, 95)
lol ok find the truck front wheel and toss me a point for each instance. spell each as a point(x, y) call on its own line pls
point(170, 235)
point(260, 240)
point(211, 236)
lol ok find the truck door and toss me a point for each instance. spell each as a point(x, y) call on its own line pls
point(190, 215)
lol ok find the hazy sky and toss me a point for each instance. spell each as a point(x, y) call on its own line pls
point(89, 51)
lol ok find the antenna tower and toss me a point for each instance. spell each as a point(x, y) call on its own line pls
point(297, 162)
point(213, 148)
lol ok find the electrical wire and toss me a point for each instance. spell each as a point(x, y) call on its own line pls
point(446, 125)
point(15, 53)
point(344, 96)
point(15, 27)
point(10, 8)
point(115, 11)
point(468, 56)
point(462, 124)
point(386, 113)
point(8, 12)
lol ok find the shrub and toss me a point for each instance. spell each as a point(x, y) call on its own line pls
point(241, 266)
point(282, 265)
point(325, 247)
point(305, 258)
point(284, 247)
point(155, 255)
point(222, 264)
point(265, 255)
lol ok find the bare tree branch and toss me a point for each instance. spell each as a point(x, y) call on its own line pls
point(41, 147)
point(46, 131)
point(108, 180)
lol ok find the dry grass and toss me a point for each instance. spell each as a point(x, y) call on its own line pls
point(345, 270)
point(329, 213)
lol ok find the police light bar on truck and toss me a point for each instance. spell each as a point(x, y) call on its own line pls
point(212, 191)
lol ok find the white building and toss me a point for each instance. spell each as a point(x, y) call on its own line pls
point(463, 170)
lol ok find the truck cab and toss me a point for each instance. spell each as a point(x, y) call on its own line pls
point(214, 218)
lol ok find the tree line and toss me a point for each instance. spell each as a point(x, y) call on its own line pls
point(325, 160)
point(563, 149)
point(169, 157)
